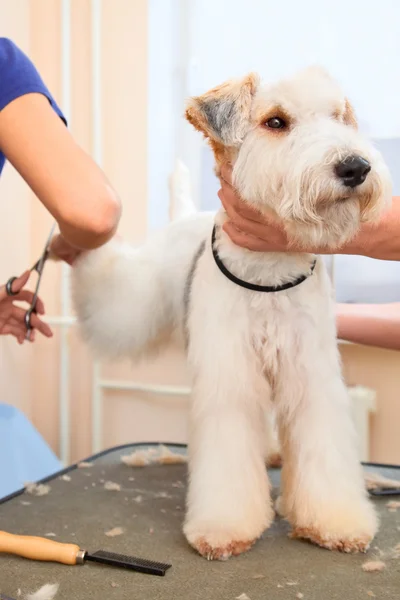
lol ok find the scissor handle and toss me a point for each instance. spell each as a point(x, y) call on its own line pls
point(27, 320)
point(9, 290)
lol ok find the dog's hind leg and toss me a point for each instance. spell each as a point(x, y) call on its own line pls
point(229, 503)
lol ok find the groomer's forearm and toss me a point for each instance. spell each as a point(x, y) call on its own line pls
point(380, 241)
point(63, 176)
point(88, 234)
point(82, 240)
point(369, 324)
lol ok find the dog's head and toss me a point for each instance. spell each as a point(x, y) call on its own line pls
point(296, 153)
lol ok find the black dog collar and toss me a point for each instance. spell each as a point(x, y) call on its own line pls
point(253, 286)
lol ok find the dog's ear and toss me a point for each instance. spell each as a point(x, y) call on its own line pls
point(223, 113)
point(349, 116)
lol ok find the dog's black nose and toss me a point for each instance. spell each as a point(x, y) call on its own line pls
point(353, 170)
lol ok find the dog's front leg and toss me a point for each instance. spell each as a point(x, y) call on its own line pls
point(323, 494)
point(229, 504)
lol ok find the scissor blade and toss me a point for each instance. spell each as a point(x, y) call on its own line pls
point(50, 236)
point(38, 266)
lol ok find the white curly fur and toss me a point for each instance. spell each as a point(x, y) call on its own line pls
point(252, 352)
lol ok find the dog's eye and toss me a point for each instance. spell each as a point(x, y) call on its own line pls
point(276, 123)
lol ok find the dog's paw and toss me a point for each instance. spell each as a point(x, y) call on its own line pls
point(361, 543)
point(219, 541)
point(344, 530)
point(217, 544)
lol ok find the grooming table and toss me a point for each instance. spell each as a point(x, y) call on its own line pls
point(151, 508)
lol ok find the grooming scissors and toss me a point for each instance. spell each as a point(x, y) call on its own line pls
point(38, 267)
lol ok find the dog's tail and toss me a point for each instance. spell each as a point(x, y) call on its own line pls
point(181, 201)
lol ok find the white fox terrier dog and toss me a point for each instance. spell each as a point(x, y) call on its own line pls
point(259, 328)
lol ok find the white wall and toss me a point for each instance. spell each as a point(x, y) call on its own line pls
point(162, 124)
point(357, 44)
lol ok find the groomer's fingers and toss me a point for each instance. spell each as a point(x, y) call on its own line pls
point(233, 203)
point(226, 173)
point(228, 206)
point(40, 306)
point(16, 285)
point(18, 328)
point(245, 240)
point(15, 330)
point(27, 296)
point(235, 207)
point(19, 314)
point(269, 231)
point(19, 283)
point(38, 324)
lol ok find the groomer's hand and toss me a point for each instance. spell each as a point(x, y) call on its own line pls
point(12, 317)
point(60, 249)
point(246, 226)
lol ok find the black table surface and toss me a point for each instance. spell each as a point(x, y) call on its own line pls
point(150, 509)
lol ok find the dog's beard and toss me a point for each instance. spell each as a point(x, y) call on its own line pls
point(338, 222)
point(327, 214)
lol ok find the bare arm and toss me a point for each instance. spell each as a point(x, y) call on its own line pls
point(64, 178)
point(247, 228)
point(369, 324)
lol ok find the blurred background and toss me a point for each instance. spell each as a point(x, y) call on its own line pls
point(121, 70)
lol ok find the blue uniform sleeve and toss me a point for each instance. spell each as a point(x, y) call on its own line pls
point(18, 76)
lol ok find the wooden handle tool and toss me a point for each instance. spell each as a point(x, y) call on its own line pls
point(37, 548)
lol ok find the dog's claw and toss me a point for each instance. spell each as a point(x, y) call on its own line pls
point(222, 553)
point(347, 545)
